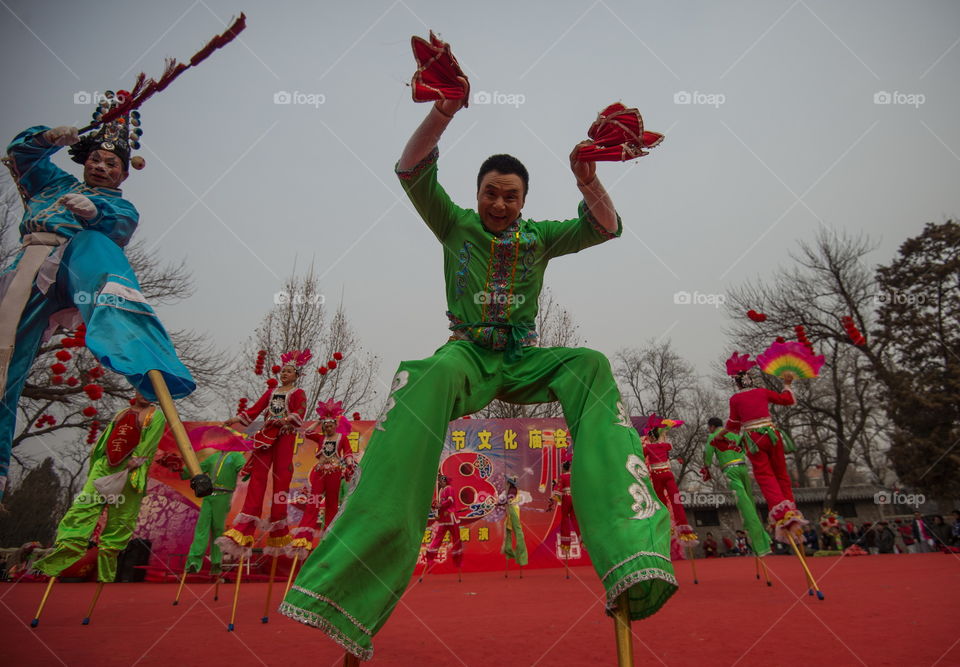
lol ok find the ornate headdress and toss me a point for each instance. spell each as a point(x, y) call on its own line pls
point(333, 411)
point(296, 358)
point(739, 363)
point(656, 421)
point(119, 135)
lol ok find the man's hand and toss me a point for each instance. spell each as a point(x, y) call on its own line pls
point(585, 172)
point(450, 107)
point(79, 205)
point(65, 135)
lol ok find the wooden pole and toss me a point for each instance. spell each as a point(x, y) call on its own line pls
point(46, 593)
point(266, 608)
point(763, 566)
point(183, 579)
point(236, 596)
point(621, 626)
point(693, 564)
point(199, 482)
point(350, 660)
point(93, 603)
point(803, 562)
point(290, 576)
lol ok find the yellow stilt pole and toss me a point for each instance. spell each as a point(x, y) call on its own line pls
point(183, 579)
point(93, 603)
point(803, 561)
point(236, 596)
point(763, 566)
point(693, 564)
point(266, 608)
point(757, 563)
point(199, 482)
point(216, 589)
point(621, 623)
point(36, 619)
point(293, 569)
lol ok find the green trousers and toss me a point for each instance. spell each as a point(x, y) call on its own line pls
point(513, 534)
point(739, 479)
point(351, 582)
point(77, 526)
point(210, 525)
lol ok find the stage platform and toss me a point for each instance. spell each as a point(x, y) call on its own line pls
point(879, 610)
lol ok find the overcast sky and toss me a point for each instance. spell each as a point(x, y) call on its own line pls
point(779, 117)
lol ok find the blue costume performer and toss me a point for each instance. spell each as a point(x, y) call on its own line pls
point(72, 267)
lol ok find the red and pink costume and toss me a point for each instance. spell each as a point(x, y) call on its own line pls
point(568, 519)
point(656, 449)
point(446, 522)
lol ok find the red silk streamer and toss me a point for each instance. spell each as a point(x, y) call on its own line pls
point(437, 72)
point(145, 88)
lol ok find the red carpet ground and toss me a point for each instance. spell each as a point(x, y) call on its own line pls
point(879, 610)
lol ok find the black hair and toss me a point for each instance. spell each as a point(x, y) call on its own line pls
point(714, 422)
point(566, 465)
point(739, 379)
point(505, 164)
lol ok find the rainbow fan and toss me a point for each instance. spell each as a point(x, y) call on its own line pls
point(790, 357)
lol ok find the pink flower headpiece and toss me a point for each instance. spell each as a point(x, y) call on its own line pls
point(739, 363)
point(296, 358)
point(333, 411)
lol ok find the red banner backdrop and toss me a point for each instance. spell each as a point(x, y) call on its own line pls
point(478, 455)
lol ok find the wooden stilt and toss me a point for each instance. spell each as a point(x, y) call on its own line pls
point(621, 626)
point(506, 567)
point(266, 608)
point(93, 603)
point(803, 561)
point(763, 566)
point(216, 588)
point(459, 577)
point(183, 579)
point(350, 660)
point(757, 563)
point(693, 564)
point(293, 568)
point(521, 571)
point(199, 482)
point(236, 596)
point(46, 593)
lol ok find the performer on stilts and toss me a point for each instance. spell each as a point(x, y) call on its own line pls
point(732, 462)
point(657, 448)
point(514, 545)
point(569, 529)
point(492, 257)
point(283, 408)
point(335, 464)
point(223, 468)
point(446, 523)
point(117, 481)
point(72, 269)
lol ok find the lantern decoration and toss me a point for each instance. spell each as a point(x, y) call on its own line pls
point(802, 337)
point(275, 369)
point(93, 391)
point(338, 356)
point(64, 355)
point(72, 381)
point(58, 368)
point(89, 411)
point(272, 383)
point(261, 360)
point(356, 416)
point(853, 333)
point(755, 316)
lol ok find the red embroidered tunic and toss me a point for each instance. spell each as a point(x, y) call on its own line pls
point(752, 406)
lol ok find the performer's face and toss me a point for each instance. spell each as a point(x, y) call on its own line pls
point(288, 374)
point(329, 428)
point(103, 169)
point(499, 200)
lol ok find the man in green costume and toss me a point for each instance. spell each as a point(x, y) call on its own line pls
point(733, 464)
point(222, 467)
point(494, 262)
point(119, 468)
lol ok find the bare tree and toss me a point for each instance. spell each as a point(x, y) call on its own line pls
point(300, 320)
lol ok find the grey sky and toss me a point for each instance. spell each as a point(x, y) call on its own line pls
point(782, 134)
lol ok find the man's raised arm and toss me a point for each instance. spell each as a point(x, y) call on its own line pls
point(427, 135)
point(594, 194)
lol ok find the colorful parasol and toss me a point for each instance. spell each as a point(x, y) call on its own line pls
point(438, 72)
point(790, 357)
point(618, 136)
